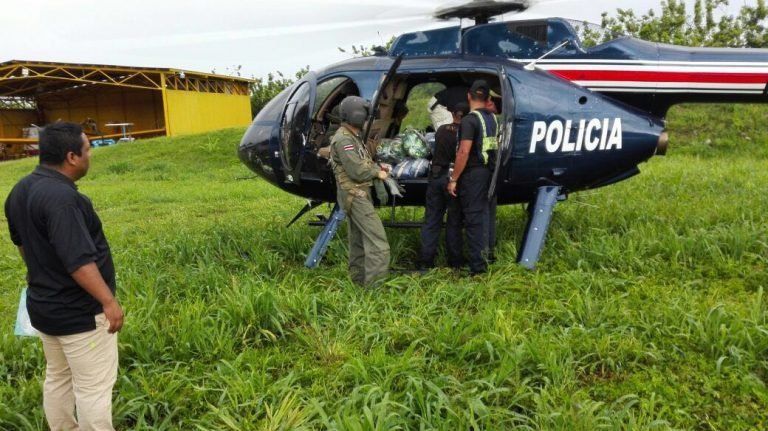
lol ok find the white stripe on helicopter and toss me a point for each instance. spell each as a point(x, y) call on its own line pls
point(650, 68)
point(692, 64)
point(668, 84)
point(671, 87)
point(695, 72)
point(619, 89)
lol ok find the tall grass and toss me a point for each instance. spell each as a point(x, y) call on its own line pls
point(648, 309)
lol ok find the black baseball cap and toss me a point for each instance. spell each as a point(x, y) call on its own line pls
point(480, 90)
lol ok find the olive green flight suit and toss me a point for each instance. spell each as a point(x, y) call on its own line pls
point(355, 171)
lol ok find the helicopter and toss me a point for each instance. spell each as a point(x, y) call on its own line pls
point(575, 114)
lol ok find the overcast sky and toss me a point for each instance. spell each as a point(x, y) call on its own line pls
point(261, 36)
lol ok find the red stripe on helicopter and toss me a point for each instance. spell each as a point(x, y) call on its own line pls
point(638, 76)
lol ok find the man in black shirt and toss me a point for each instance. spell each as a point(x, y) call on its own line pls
point(471, 176)
point(71, 278)
point(438, 201)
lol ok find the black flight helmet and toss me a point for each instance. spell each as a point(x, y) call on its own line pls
point(354, 111)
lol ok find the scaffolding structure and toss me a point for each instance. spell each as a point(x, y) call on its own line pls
point(145, 101)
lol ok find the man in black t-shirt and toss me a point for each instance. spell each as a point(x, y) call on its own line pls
point(438, 202)
point(471, 176)
point(71, 278)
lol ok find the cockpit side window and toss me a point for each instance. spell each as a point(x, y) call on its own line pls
point(330, 87)
point(325, 122)
point(325, 114)
point(523, 40)
point(534, 31)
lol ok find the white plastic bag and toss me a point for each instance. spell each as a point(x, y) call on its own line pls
point(23, 324)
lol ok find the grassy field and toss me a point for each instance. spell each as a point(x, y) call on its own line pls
point(647, 311)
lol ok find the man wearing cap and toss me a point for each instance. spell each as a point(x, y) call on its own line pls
point(471, 175)
point(355, 173)
point(438, 202)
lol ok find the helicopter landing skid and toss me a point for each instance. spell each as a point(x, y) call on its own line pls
point(326, 235)
point(538, 223)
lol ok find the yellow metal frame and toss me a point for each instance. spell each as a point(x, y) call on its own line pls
point(206, 85)
point(223, 101)
point(167, 119)
point(22, 78)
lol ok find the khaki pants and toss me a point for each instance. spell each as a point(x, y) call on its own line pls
point(81, 371)
point(368, 246)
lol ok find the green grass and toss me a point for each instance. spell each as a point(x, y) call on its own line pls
point(647, 311)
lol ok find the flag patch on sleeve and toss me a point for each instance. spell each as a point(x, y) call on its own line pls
point(349, 147)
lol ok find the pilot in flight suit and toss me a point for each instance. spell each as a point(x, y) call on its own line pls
point(355, 172)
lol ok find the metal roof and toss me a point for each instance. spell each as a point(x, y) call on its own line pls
point(28, 79)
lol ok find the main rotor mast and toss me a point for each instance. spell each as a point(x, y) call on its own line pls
point(481, 10)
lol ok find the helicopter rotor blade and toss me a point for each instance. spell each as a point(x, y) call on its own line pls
point(420, 13)
point(231, 35)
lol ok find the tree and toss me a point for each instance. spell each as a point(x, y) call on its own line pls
point(754, 22)
point(674, 25)
point(362, 51)
point(264, 90)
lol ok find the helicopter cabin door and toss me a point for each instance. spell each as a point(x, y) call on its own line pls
point(295, 127)
point(506, 128)
point(377, 97)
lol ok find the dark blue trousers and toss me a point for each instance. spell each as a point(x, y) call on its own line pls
point(473, 198)
point(437, 203)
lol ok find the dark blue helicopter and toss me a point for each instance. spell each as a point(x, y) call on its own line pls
point(574, 117)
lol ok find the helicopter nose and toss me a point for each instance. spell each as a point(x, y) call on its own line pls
point(661, 145)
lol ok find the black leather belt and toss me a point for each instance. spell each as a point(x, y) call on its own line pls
point(437, 170)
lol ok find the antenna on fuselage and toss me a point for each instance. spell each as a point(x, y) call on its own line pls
point(532, 64)
point(481, 10)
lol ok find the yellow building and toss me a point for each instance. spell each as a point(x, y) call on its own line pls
point(115, 101)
